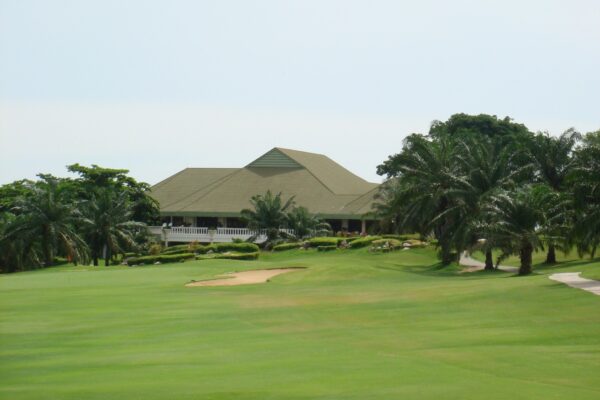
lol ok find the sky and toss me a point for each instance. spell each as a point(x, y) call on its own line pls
point(157, 86)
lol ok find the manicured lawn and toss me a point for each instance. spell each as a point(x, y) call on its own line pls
point(353, 325)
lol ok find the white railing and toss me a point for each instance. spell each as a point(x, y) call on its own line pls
point(202, 234)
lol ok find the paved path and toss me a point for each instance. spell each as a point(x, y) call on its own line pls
point(474, 265)
point(574, 280)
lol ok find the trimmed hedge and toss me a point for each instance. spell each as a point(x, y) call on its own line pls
point(224, 247)
point(402, 237)
point(229, 256)
point(175, 251)
point(363, 242)
point(162, 258)
point(390, 242)
point(327, 248)
point(287, 246)
point(323, 241)
point(182, 248)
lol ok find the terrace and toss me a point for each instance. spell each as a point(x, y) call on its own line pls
point(205, 235)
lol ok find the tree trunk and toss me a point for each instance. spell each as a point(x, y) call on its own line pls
point(447, 257)
point(107, 256)
point(525, 254)
point(47, 249)
point(489, 262)
point(95, 257)
point(551, 256)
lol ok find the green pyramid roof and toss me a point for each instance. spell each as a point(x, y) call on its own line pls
point(317, 182)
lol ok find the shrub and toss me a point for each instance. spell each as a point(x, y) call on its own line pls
point(162, 258)
point(175, 251)
point(236, 247)
point(327, 248)
point(362, 242)
point(402, 237)
point(182, 248)
point(155, 249)
point(323, 241)
point(59, 261)
point(287, 246)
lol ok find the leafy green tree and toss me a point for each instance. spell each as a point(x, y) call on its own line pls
point(11, 192)
point(269, 213)
point(96, 179)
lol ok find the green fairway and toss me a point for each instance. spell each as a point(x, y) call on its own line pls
point(353, 325)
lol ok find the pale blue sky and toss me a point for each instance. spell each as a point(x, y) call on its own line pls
point(157, 86)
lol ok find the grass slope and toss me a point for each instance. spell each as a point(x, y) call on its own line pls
point(353, 325)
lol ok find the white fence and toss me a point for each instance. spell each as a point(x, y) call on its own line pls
point(205, 235)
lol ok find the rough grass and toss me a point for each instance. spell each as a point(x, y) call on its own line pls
point(354, 325)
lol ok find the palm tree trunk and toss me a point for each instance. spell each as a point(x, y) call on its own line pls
point(489, 262)
point(47, 248)
point(106, 254)
point(525, 255)
point(447, 257)
point(551, 256)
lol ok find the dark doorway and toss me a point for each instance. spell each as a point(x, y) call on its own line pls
point(207, 222)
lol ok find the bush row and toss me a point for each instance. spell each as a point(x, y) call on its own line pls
point(162, 258)
point(322, 241)
point(224, 247)
point(402, 237)
point(363, 242)
point(215, 247)
point(230, 256)
point(288, 246)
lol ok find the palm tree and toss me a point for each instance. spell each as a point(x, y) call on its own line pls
point(306, 225)
point(44, 218)
point(512, 219)
point(16, 252)
point(489, 166)
point(554, 158)
point(110, 228)
point(426, 189)
point(585, 186)
point(268, 213)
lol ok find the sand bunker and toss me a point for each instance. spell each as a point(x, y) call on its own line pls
point(245, 277)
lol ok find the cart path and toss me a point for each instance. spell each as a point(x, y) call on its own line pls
point(475, 265)
point(574, 279)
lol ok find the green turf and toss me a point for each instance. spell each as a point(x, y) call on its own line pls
point(353, 325)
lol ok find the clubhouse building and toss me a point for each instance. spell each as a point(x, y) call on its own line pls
point(204, 204)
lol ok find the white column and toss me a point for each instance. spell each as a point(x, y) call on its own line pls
point(223, 221)
point(363, 227)
point(345, 224)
